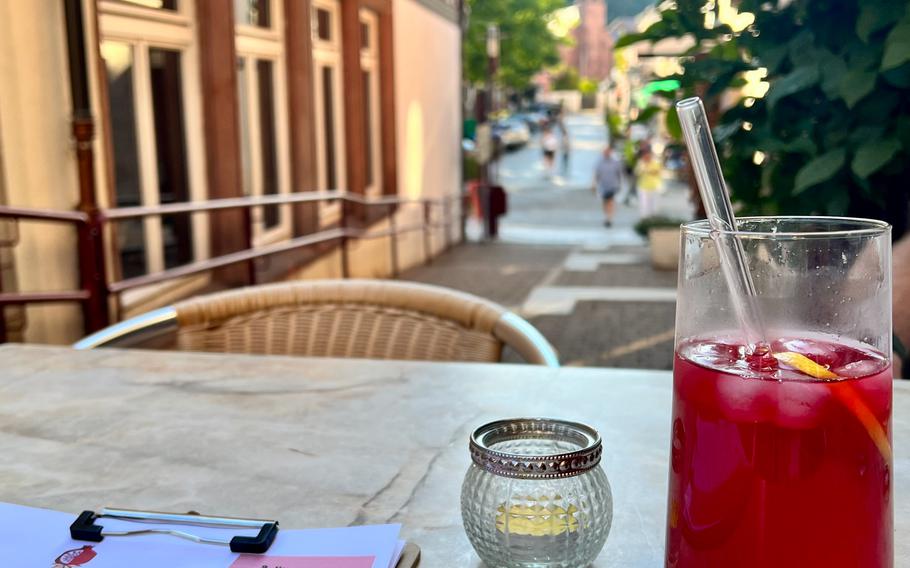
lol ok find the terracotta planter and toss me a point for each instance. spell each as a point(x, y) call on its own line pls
point(664, 242)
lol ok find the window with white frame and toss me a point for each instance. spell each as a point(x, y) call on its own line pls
point(369, 68)
point(150, 69)
point(159, 4)
point(327, 91)
point(262, 101)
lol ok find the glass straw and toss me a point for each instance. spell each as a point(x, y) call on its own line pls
point(712, 188)
point(714, 195)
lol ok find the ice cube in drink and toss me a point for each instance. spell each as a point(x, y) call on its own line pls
point(771, 467)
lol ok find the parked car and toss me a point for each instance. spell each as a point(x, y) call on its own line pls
point(534, 119)
point(548, 110)
point(512, 132)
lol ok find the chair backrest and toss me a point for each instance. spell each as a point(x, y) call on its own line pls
point(379, 319)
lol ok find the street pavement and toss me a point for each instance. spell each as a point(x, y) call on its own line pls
point(589, 289)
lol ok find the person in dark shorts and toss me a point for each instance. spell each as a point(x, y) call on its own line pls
point(607, 182)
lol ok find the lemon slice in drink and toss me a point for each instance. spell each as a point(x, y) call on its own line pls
point(846, 394)
point(805, 365)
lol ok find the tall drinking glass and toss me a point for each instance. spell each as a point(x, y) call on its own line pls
point(781, 451)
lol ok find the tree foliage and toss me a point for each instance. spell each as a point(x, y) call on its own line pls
point(566, 80)
point(587, 86)
point(526, 45)
point(832, 134)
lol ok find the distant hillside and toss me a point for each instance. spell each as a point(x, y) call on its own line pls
point(626, 8)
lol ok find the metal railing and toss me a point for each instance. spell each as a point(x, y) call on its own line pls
point(96, 289)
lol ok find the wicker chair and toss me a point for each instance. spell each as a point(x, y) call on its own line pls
point(377, 319)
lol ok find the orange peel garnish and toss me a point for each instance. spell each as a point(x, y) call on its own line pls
point(846, 394)
point(805, 365)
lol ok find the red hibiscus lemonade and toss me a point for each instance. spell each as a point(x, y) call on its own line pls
point(772, 467)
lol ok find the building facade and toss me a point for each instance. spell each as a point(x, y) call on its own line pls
point(195, 100)
point(591, 51)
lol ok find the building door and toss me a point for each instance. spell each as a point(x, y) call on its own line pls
point(369, 66)
point(262, 98)
point(150, 71)
point(327, 93)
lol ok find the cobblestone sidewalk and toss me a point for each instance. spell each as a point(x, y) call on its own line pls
point(589, 289)
point(595, 313)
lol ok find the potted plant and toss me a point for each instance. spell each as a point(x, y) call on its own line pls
point(663, 237)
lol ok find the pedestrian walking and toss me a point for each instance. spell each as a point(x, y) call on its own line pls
point(648, 171)
point(607, 181)
point(549, 143)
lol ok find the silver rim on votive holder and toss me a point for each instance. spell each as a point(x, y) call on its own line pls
point(551, 466)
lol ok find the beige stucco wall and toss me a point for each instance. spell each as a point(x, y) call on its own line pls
point(39, 166)
point(427, 90)
point(428, 107)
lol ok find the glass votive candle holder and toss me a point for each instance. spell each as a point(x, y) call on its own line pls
point(535, 494)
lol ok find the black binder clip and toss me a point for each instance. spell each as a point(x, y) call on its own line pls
point(84, 528)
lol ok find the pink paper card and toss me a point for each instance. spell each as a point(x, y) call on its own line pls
point(258, 561)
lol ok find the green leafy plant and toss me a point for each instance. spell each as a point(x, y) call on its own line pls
point(629, 154)
point(566, 79)
point(832, 134)
point(470, 169)
point(614, 124)
point(643, 226)
point(526, 45)
point(587, 86)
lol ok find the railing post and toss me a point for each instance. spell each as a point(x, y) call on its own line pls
point(248, 235)
point(393, 241)
point(463, 205)
point(96, 309)
point(2, 312)
point(343, 221)
point(427, 258)
point(3, 267)
point(91, 245)
point(446, 224)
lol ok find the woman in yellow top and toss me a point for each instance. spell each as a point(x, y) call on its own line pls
point(648, 170)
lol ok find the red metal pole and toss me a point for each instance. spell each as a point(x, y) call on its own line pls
point(446, 224)
point(345, 266)
point(4, 244)
point(248, 234)
point(427, 252)
point(95, 310)
point(2, 313)
point(393, 241)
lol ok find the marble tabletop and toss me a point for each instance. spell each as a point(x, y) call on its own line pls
point(327, 442)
